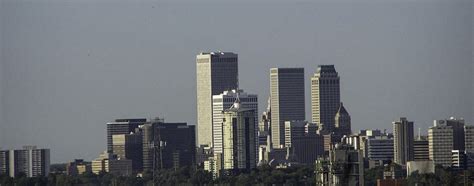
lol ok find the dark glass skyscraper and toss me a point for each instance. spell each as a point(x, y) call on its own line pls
point(325, 96)
point(287, 100)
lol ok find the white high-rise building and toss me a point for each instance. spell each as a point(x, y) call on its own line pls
point(440, 144)
point(224, 101)
point(216, 72)
point(287, 100)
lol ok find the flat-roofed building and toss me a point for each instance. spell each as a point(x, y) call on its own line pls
point(440, 144)
point(122, 126)
point(216, 72)
point(287, 100)
point(239, 143)
point(31, 161)
point(224, 101)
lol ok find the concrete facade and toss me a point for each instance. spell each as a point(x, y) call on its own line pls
point(216, 72)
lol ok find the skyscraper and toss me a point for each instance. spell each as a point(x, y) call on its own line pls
point(239, 139)
point(223, 102)
point(403, 141)
point(325, 96)
point(287, 100)
point(216, 72)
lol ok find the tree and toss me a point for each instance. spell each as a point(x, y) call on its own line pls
point(371, 175)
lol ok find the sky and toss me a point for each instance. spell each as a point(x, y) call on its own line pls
point(68, 67)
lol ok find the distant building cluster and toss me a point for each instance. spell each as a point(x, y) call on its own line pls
point(231, 137)
point(135, 146)
point(284, 138)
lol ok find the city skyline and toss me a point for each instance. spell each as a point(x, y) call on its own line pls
point(46, 93)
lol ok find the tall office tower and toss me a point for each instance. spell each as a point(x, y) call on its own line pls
point(239, 139)
point(458, 131)
point(121, 126)
point(469, 138)
point(421, 149)
point(287, 100)
point(224, 101)
point(216, 72)
point(129, 146)
point(440, 144)
point(325, 96)
point(31, 161)
point(4, 162)
point(168, 145)
point(342, 121)
point(403, 141)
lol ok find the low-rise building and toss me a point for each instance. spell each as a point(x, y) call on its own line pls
point(78, 167)
point(345, 166)
point(423, 167)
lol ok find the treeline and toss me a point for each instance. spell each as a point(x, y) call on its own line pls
point(442, 176)
point(184, 176)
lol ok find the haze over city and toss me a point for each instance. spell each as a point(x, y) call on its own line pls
point(68, 67)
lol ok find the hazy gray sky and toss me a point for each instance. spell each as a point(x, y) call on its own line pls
point(68, 67)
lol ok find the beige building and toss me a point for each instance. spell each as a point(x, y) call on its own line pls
point(107, 162)
point(239, 139)
point(287, 100)
point(440, 144)
point(78, 167)
point(216, 72)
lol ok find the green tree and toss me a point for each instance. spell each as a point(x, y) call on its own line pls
point(371, 175)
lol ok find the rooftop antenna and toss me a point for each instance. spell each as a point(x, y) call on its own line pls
point(419, 133)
